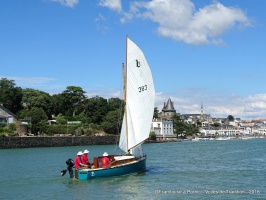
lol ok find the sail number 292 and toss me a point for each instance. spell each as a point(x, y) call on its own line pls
point(142, 88)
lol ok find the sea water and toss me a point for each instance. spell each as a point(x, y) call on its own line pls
point(234, 169)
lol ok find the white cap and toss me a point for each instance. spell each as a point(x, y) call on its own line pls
point(105, 154)
point(86, 151)
point(79, 153)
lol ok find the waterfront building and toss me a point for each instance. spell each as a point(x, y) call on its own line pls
point(163, 126)
point(163, 129)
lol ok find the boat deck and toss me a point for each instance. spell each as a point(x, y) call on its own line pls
point(116, 160)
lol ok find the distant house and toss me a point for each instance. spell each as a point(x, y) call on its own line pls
point(6, 116)
point(163, 126)
point(163, 129)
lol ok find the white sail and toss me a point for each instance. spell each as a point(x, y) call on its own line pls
point(140, 96)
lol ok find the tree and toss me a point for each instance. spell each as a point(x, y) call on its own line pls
point(10, 96)
point(156, 113)
point(73, 98)
point(181, 127)
point(96, 109)
point(152, 135)
point(12, 127)
point(59, 105)
point(115, 103)
point(177, 117)
point(60, 119)
point(112, 122)
point(230, 118)
point(216, 124)
point(23, 113)
point(35, 98)
point(38, 119)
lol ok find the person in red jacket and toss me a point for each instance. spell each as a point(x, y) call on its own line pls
point(85, 159)
point(105, 160)
point(78, 163)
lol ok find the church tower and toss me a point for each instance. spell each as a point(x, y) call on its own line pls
point(201, 112)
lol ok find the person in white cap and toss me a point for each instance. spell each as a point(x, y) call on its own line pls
point(78, 163)
point(105, 160)
point(85, 159)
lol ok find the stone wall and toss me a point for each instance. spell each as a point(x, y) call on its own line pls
point(31, 142)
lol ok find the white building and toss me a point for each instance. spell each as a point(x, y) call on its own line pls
point(6, 116)
point(163, 129)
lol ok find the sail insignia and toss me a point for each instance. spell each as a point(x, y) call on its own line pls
point(137, 63)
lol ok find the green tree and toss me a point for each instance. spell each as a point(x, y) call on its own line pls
point(152, 135)
point(36, 98)
point(115, 103)
point(96, 108)
point(59, 104)
point(216, 124)
point(112, 122)
point(177, 117)
point(73, 98)
point(12, 127)
point(230, 118)
point(10, 95)
point(23, 113)
point(60, 119)
point(38, 120)
point(181, 127)
point(156, 113)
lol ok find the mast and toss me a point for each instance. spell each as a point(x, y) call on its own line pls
point(125, 95)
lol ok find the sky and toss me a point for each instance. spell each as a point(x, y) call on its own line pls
point(199, 51)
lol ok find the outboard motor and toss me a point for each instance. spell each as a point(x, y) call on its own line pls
point(70, 164)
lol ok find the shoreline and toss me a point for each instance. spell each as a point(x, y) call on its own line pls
point(59, 141)
point(51, 141)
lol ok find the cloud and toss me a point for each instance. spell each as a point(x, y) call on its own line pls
point(112, 4)
point(179, 19)
point(255, 105)
point(100, 20)
point(68, 3)
point(49, 85)
point(30, 81)
point(102, 91)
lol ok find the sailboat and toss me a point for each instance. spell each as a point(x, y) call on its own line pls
point(139, 96)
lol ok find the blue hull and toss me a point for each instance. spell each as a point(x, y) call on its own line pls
point(128, 168)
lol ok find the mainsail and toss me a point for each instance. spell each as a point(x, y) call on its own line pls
point(140, 96)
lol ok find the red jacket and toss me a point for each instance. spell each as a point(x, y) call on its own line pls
point(77, 162)
point(105, 161)
point(85, 159)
